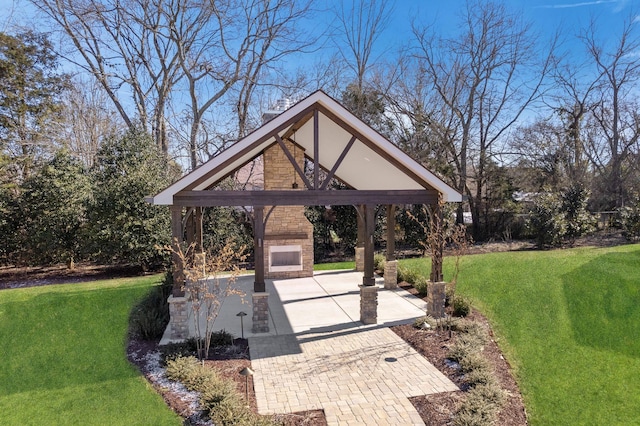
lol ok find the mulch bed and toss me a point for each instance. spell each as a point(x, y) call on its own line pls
point(438, 409)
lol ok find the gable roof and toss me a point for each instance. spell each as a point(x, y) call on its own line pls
point(365, 159)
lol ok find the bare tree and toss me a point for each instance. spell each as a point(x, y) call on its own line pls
point(484, 80)
point(615, 107)
point(126, 46)
point(244, 40)
point(87, 120)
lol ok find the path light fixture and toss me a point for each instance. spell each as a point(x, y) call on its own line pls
point(241, 314)
point(246, 372)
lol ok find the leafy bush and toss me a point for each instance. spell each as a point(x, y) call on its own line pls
point(473, 361)
point(630, 222)
point(407, 275)
point(546, 220)
point(123, 226)
point(173, 351)
point(221, 338)
point(219, 398)
point(461, 307)
point(559, 217)
point(379, 260)
point(429, 320)
point(484, 396)
point(149, 318)
point(421, 284)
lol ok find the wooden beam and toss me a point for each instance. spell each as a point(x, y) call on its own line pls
point(176, 241)
point(293, 161)
point(316, 150)
point(303, 198)
point(301, 116)
point(370, 228)
point(343, 154)
point(199, 237)
point(372, 146)
point(437, 227)
point(258, 249)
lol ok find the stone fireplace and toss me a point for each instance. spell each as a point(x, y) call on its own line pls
point(288, 239)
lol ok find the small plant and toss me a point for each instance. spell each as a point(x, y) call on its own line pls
point(149, 318)
point(421, 284)
point(630, 222)
point(407, 275)
point(221, 338)
point(426, 322)
point(484, 397)
point(461, 307)
point(219, 398)
point(379, 261)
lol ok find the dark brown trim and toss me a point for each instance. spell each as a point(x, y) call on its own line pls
point(292, 160)
point(286, 236)
point(370, 228)
point(373, 146)
point(303, 198)
point(301, 115)
point(316, 150)
point(391, 232)
point(258, 249)
point(333, 170)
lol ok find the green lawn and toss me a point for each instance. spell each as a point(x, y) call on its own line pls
point(569, 322)
point(63, 357)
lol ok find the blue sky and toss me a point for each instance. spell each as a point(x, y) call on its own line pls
point(546, 16)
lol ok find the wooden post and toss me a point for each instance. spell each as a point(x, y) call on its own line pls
point(258, 248)
point(190, 227)
point(391, 232)
point(370, 227)
point(438, 240)
point(176, 241)
point(360, 212)
point(198, 238)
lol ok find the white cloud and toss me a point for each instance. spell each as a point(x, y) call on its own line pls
point(583, 4)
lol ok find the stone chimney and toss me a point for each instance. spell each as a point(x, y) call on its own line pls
point(288, 240)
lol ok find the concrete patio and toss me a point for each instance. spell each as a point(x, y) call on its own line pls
point(318, 355)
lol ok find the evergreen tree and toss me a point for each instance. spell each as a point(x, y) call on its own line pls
point(125, 228)
point(52, 208)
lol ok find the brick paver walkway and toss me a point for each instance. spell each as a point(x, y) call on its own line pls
point(360, 376)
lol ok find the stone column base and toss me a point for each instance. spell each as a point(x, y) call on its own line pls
point(368, 304)
point(260, 312)
point(178, 317)
point(391, 274)
point(436, 299)
point(360, 259)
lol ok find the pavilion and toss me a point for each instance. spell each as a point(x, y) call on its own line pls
point(335, 144)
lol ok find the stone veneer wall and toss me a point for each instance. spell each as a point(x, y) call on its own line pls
point(286, 224)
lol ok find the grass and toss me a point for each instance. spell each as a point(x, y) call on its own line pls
point(63, 357)
point(569, 323)
point(334, 266)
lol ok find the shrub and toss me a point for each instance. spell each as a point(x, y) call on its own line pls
point(630, 222)
point(421, 284)
point(479, 377)
point(559, 217)
point(379, 261)
point(407, 275)
point(172, 351)
point(182, 367)
point(221, 338)
point(429, 320)
point(219, 398)
point(474, 361)
point(475, 411)
point(149, 318)
point(461, 307)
